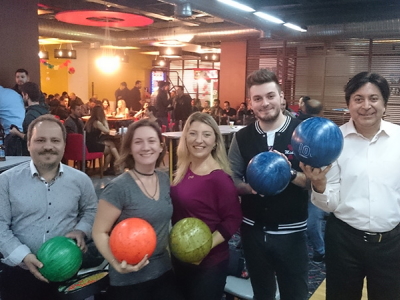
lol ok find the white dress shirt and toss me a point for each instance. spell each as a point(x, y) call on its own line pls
point(363, 186)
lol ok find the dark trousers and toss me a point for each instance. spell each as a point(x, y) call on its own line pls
point(349, 259)
point(19, 284)
point(199, 283)
point(161, 288)
point(283, 255)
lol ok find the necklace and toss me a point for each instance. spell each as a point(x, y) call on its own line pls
point(144, 174)
point(144, 187)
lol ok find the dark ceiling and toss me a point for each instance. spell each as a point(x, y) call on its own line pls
point(211, 20)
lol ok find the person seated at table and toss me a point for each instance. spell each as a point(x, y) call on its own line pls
point(61, 110)
point(98, 139)
point(151, 115)
point(228, 113)
point(142, 112)
point(206, 108)
point(196, 105)
point(106, 107)
point(241, 113)
point(122, 110)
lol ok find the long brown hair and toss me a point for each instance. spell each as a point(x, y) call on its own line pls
point(97, 114)
point(126, 159)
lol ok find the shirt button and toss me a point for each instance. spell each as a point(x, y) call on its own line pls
point(48, 218)
point(49, 203)
point(47, 231)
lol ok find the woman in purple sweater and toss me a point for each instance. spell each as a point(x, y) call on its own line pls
point(203, 189)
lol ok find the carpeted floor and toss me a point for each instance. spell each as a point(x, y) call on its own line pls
point(316, 274)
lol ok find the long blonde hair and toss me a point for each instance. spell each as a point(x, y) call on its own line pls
point(218, 153)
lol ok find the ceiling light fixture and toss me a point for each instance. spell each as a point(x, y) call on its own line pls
point(237, 5)
point(102, 18)
point(108, 62)
point(170, 43)
point(210, 57)
point(268, 17)
point(170, 52)
point(159, 63)
point(65, 53)
point(43, 54)
point(295, 27)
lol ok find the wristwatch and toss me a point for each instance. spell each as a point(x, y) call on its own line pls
point(293, 174)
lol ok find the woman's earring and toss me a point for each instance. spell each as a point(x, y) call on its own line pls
point(215, 147)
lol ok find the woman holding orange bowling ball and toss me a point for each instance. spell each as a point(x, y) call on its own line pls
point(141, 192)
point(203, 189)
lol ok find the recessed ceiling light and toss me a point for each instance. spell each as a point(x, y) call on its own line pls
point(268, 17)
point(295, 27)
point(238, 5)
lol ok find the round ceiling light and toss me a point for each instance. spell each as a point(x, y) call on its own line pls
point(169, 43)
point(102, 18)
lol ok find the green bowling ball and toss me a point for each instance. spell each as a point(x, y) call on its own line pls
point(190, 240)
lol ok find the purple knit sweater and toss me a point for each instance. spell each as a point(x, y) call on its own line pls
point(213, 199)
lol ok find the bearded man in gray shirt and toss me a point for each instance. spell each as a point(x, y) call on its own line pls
point(38, 201)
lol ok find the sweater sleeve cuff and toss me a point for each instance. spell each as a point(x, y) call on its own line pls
point(17, 256)
point(225, 234)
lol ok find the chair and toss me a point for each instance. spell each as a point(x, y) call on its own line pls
point(76, 150)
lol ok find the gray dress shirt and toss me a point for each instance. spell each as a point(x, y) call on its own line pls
point(32, 210)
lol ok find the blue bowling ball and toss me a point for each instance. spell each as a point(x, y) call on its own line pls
point(317, 142)
point(268, 173)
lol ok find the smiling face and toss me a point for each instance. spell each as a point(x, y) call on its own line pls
point(266, 101)
point(367, 107)
point(46, 145)
point(200, 140)
point(146, 146)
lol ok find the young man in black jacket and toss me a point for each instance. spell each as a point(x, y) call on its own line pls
point(274, 227)
point(31, 95)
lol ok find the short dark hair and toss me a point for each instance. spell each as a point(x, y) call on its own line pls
point(227, 103)
point(262, 76)
point(305, 98)
point(22, 71)
point(49, 118)
point(123, 83)
point(137, 82)
point(33, 91)
point(363, 78)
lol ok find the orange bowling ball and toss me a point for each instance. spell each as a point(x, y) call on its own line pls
point(132, 239)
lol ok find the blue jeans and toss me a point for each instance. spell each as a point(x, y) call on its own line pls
point(285, 255)
point(314, 228)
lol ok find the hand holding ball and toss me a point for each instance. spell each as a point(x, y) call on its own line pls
point(317, 142)
point(61, 259)
point(268, 173)
point(132, 239)
point(190, 240)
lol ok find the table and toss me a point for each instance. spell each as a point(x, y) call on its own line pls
point(114, 122)
point(12, 161)
point(226, 131)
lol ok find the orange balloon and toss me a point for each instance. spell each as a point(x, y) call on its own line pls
point(132, 239)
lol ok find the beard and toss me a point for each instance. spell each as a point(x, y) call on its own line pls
point(48, 165)
point(267, 118)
